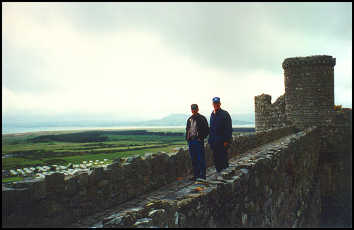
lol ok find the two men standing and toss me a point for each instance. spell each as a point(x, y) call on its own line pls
point(219, 139)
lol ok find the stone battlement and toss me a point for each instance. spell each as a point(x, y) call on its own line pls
point(268, 115)
point(310, 60)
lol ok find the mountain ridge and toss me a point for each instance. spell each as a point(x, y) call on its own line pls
point(176, 119)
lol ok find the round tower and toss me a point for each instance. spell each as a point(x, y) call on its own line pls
point(309, 90)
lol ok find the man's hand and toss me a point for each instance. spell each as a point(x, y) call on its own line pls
point(226, 144)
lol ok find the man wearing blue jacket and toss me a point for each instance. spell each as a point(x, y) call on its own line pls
point(220, 136)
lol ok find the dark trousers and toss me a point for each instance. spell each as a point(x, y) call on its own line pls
point(220, 157)
point(197, 153)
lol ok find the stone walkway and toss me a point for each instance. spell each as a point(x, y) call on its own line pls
point(173, 191)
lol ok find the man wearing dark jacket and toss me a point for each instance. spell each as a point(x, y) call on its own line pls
point(196, 130)
point(220, 136)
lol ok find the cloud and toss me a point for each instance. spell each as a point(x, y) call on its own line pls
point(145, 61)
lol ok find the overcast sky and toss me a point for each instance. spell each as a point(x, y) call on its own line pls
point(127, 61)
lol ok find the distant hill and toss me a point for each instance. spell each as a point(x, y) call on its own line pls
point(170, 120)
point(180, 120)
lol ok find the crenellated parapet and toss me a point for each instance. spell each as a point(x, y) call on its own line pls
point(309, 60)
point(268, 115)
point(262, 111)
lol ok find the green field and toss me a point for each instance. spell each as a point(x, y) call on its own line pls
point(12, 179)
point(63, 147)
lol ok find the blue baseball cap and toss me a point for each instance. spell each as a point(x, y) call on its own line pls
point(216, 100)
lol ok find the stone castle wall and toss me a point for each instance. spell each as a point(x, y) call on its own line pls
point(276, 186)
point(56, 200)
point(336, 170)
point(301, 180)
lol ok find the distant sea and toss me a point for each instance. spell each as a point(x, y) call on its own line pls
point(13, 130)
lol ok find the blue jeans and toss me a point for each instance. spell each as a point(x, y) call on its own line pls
point(197, 152)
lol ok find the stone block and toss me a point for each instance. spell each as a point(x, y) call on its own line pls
point(183, 163)
point(8, 200)
point(39, 189)
point(55, 183)
point(171, 170)
point(159, 170)
point(114, 165)
point(96, 175)
point(117, 172)
point(83, 179)
point(103, 183)
point(53, 208)
point(143, 172)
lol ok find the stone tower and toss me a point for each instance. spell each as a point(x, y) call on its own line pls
point(308, 99)
point(309, 90)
